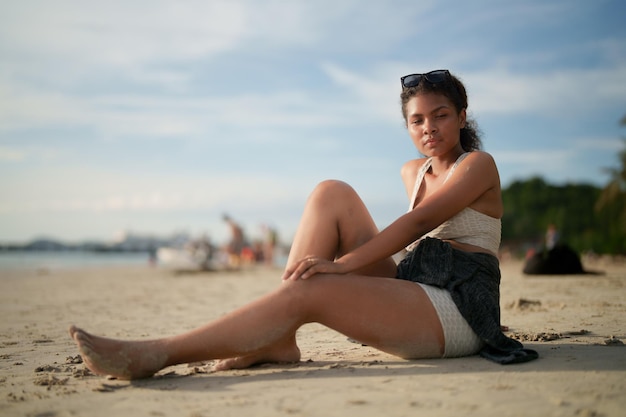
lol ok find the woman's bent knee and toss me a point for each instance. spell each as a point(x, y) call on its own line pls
point(297, 292)
point(334, 188)
point(311, 292)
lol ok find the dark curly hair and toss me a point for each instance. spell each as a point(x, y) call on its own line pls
point(454, 90)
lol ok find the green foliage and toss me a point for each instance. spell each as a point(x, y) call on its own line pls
point(586, 217)
point(531, 205)
point(613, 196)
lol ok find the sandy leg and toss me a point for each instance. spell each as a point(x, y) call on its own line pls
point(285, 352)
point(121, 359)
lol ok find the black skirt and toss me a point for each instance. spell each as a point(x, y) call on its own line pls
point(473, 280)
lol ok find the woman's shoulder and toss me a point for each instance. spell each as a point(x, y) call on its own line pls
point(483, 170)
point(410, 168)
point(480, 158)
point(409, 173)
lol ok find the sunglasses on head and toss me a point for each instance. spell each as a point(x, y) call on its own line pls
point(433, 77)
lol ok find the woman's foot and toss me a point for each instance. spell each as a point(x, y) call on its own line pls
point(285, 353)
point(118, 358)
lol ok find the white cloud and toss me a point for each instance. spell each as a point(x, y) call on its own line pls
point(132, 36)
point(377, 91)
point(23, 152)
point(599, 143)
point(136, 116)
point(122, 34)
point(11, 153)
point(557, 92)
point(25, 107)
point(573, 163)
point(138, 35)
point(85, 189)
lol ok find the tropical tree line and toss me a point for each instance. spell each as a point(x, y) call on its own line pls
point(532, 205)
point(587, 217)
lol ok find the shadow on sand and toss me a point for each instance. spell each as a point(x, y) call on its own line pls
point(557, 357)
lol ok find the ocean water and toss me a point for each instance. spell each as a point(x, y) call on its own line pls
point(68, 259)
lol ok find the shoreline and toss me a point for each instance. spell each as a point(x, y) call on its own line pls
point(575, 322)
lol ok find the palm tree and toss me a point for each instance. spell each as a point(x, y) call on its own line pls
point(615, 190)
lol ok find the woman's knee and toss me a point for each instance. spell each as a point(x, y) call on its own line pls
point(295, 293)
point(333, 189)
point(338, 195)
point(304, 297)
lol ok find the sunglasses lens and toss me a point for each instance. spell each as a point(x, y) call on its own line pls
point(435, 77)
point(411, 80)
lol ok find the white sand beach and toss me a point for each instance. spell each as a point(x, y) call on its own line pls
point(576, 323)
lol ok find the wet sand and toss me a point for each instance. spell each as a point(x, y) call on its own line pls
point(576, 323)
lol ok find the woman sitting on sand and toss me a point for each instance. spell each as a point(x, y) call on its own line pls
point(442, 300)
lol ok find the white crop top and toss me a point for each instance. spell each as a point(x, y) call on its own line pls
point(468, 226)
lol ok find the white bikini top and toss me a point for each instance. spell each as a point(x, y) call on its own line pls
point(468, 226)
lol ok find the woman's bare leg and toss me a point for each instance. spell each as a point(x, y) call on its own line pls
point(334, 222)
point(392, 315)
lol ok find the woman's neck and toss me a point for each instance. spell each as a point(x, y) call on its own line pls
point(441, 164)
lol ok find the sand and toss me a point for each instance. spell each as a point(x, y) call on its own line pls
point(576, 323)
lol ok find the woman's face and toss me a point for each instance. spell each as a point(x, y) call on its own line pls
point(434, 124)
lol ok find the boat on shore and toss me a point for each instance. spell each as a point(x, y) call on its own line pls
point(191, 258)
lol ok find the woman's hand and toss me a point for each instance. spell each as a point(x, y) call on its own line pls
point(311, 265)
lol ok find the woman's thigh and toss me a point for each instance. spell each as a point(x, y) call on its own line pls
point(392, 315)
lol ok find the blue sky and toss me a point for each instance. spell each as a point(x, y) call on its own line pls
point(159, 116)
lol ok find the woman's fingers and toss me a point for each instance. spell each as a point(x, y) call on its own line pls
point(306, 268)
point(294, 272)
point(309, 268)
